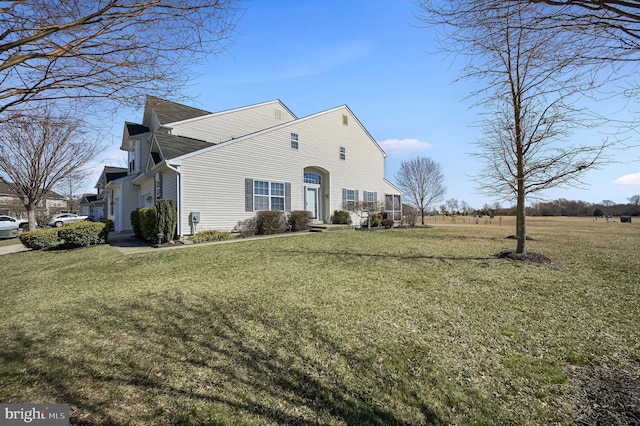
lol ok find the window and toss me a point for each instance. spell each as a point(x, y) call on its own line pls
point(343, 153)
point(294, 140)
point(349, 198)
point(268, 195)
point(312, 178)
point(132, 161)
point(158, 185)
point(371, 197)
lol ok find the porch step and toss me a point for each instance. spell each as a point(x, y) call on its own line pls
point(322, 227)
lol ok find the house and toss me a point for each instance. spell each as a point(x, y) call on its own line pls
point(100, 205)
point(11, 204)
point(228, 165)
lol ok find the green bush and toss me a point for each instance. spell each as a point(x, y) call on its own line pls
point(211, 235)
point(83, 234)
point(147, 218)
point(40, 238)
point(270, 222)
point(246, 228)
point(135, 223)
point(167, 219)
point(341, 217)
point(300, 220)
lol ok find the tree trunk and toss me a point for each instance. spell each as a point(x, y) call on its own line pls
point(31, 215)
point(422, 215)
point(521, 229)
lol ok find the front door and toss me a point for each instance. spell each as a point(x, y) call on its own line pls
point(311, 201)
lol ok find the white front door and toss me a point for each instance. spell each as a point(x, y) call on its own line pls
point(311, 201)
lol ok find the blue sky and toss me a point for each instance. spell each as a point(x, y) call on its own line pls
point(374, 57)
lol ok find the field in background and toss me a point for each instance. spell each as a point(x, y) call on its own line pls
point(409, 326)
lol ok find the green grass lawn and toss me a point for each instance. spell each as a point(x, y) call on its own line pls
point(407, 327)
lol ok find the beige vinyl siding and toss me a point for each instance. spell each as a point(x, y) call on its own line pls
point(214, 181)
point(233, 124)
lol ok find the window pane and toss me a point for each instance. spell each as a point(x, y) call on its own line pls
point(261, 187)
point(277, 203)
point(351, 195)
point(371, 197)
point(260, 203)
point(310, 177)
point(277, 189)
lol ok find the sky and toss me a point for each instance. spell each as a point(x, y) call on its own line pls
point(376, 57)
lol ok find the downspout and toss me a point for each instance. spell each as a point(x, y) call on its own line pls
point(178, 196)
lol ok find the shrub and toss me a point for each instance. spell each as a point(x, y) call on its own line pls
point(167, 217)
point(39, 239)
point(148, 223)
point(270, 222)
point(246, 228)
point(375, 220)
point(341, 217)
point(625, 219)
point(212, 235)
point(82, 234)
point(108, 225)
point(387, 223)
point(135, 223)
point(300, 220)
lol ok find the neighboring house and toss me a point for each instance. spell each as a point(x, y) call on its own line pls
point(226, 166)
point(12, 205)
point(102, 204)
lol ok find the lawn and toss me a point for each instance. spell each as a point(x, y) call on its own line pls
point(407, 327)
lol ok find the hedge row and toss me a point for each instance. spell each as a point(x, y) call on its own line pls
point(80, 234)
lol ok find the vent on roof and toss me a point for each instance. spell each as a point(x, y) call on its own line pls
point(278, 114)
point(345, 119)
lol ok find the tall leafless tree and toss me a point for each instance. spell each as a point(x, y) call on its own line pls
point(39, 152)
point(89, 51)
point(421, 180)
point(531, 83)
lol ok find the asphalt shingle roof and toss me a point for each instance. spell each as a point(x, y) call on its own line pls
point(173, 146)
point(171, 112)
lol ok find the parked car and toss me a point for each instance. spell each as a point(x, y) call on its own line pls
point(65, 218)
point(12, 222)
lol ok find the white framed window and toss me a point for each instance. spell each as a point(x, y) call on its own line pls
point(343, 153)
point(158, 185)
point(371, 197)
point(294, 141)
point(350, 198)
point(268, 195)
point(312, 178)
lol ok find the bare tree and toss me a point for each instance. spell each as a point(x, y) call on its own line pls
point(91, 51)
point(421, 180)
point(532, 78)
point(70, 185)
point(635, 200)
point(39, 152)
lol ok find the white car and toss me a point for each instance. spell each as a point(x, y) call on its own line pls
point(65, 218)
point(12, 222)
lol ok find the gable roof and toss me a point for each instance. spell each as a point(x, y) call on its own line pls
point(170, 112)
point(5, 189)
point(136, 129)
point(284, 125)
point(173, 146)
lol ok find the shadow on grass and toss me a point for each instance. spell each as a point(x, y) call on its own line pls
point(176, 359)
point(381, 255)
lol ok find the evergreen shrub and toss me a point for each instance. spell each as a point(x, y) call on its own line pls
point(40, 238)
point(341, 217)
point(83, 234)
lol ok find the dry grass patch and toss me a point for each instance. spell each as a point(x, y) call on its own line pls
point(400, 327)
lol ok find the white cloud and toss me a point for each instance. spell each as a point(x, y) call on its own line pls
point(632, 179)
point(404, 146)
